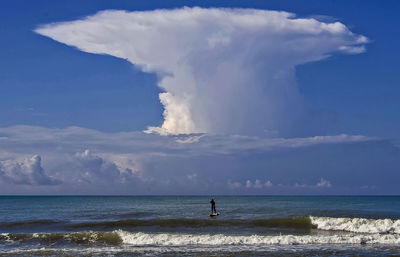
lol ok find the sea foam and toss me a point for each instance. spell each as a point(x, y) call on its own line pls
point(122, 237)
point(170, 239)
point(358, 225)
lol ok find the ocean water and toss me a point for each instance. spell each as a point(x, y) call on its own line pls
point(180, 226)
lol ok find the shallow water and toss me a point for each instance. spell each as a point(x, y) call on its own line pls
point(179, 225)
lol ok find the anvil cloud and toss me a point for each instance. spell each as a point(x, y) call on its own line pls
point(223, 71)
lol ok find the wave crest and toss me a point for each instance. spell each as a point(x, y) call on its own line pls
point(83, 237)
point(358, 225)
point(167, 239)
point(121, 237)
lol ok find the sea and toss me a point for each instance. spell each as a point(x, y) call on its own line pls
point(180, 226)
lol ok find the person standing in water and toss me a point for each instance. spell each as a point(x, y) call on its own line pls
point(213, 210)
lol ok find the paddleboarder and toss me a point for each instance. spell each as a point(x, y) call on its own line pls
point(213, 210)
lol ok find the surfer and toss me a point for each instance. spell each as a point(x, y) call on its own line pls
point(213, 210)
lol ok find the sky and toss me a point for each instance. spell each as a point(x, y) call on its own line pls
point(210, 97)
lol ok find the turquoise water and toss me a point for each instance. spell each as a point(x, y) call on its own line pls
point(179, 225)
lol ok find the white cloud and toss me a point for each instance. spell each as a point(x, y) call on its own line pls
point(223, 70)
point(95, 169)
point(30, 139)
point(257, 184)
point(91, 166)
point(27, 172)
point(324, 183)
point(249, 184)
point(268, 184)
point(192, 177)
point(189, 139)
point(135, 162)
point(234, 184)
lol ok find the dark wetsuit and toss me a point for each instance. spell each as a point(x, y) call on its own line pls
point(213, 210)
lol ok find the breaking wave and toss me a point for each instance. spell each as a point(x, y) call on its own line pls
point(121, 237)
point(167, 239)
point(83, 237)
point(358, 225)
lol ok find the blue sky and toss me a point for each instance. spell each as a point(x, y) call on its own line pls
point(47, 85)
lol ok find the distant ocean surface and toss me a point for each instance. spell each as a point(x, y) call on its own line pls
point(180, 226)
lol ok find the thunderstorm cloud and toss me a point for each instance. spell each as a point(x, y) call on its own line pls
point(234, 120)
point(223, 71)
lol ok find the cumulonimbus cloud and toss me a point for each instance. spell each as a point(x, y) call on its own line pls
point(26, 172)
point(222, 70)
